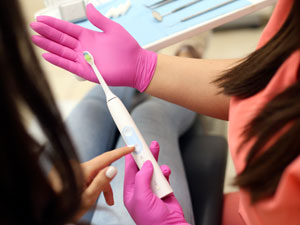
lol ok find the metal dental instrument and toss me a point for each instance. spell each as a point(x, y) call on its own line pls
point(159, 17)
point(205, 11)
point(159, 4)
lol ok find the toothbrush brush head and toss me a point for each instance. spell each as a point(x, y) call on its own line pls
point(88, 57)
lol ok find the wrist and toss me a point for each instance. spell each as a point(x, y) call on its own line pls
point(146, 66)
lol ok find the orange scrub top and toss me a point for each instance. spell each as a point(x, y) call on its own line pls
point(284, 206)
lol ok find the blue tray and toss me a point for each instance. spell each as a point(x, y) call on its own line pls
point(138, 21)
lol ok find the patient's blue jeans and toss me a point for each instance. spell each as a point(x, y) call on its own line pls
point(94, 132)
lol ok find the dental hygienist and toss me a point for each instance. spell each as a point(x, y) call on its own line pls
point(258, 95)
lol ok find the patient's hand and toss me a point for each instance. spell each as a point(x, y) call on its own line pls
point(97, 176)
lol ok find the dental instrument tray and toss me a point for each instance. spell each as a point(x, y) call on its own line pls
point(198, 17)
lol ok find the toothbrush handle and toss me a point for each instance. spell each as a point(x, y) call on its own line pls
point(132, 136)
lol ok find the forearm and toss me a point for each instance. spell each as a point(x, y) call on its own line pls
point(188, 82)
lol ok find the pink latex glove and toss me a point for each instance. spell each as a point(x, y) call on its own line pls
point(142, 204)
point(118, 56)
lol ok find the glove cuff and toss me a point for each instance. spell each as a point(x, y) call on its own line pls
point(145, 69)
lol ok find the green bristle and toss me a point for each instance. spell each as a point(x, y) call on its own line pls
point(87, 57)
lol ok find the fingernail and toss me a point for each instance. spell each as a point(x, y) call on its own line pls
point(130, 145)
point(148, 163)
point(166, 170)
point(111, 172)
point(154, 144)
point(32, 25)
point(38, 18)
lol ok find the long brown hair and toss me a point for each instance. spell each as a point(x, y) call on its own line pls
point(248, 78)
point(26, 194)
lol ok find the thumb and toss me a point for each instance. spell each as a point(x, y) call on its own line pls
point(143, 179)
point(97, 19)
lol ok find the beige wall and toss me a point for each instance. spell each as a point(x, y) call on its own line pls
point(30, 7)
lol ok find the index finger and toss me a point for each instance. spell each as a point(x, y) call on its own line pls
point(105, 159)
point(61, 25)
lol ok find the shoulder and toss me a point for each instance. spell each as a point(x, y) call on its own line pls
point(276, 21)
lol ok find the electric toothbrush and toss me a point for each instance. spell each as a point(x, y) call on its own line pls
point(130, 134)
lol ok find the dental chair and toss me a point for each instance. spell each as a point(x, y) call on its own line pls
point(205, 158)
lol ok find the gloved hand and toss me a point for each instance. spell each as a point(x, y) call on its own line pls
point(118, 56)
point(142, 204)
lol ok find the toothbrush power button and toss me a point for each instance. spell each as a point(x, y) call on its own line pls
point(131, 138)
point(137, 147)
point(127, 132)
